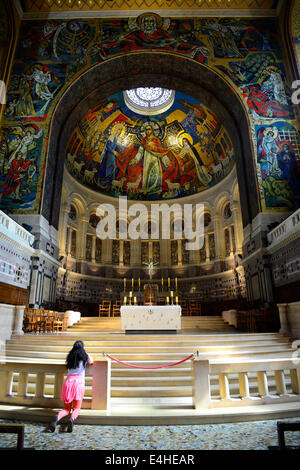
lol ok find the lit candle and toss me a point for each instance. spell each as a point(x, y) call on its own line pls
point(171, 293)
point(132, 283)
point(168, 300)
point(176, 283)
point(176, 300)
point(139, 284)
point(168, 282)
point(162, 282)
point(134, 300)
point(125, 300)
point(130, 294)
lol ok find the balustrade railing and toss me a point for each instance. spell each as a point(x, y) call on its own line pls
point(286, 228)
point(40, 385)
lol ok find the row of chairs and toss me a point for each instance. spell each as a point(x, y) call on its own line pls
point(188, 307)
point(36, 320)
point(108, 309)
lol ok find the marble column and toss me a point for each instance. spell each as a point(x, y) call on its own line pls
point(18, 320)
point(63, 231)
point(83, 223)
point(179, 246)
point(94, 249)
point(238, 226)
point(207, 248)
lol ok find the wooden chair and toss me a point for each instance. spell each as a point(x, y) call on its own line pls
point(60, 323)
point(105, 308)
point(116, 308)
point(31, 317)
point(40, 320)
point(50, 319)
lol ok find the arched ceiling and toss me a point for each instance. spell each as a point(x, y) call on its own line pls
point(180, 152)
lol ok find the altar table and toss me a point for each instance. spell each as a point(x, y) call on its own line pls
point(150, 317)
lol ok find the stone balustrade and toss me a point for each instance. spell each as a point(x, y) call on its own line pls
point(15, 232)
point(288, 228)
point(39, 384)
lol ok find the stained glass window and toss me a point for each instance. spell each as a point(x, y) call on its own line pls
point(149, 100)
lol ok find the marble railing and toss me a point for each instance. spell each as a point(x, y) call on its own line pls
point(289, 227)
point(260, 391)
point(14, 231)
point(40, 384)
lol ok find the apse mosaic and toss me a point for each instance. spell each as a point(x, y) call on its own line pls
point(173, 154)
point(52, 54)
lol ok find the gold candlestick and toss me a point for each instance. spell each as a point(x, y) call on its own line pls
point(139, 284)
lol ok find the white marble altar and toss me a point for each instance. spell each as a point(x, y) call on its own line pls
point(147, 317)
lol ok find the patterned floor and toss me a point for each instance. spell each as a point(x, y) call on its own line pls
point(234, 436)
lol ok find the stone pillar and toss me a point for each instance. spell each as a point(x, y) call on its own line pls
point(238, 228)
point(207, 248)
point(63, 231)
point(230, 239)
point(219, 238)
point(179, 245)
point(93, 249)
point(101, 384)
point(201, 383)
point(69, 241)
point(18, 320)
point(83, 222)
point(121, 255)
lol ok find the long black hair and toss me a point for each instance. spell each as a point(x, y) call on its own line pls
point(76, 355)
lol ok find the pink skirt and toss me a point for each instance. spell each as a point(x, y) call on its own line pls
point(73, 388)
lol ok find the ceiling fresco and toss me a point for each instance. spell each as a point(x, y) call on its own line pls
point(177, 153)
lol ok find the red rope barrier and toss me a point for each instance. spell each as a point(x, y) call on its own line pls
point(158, 367)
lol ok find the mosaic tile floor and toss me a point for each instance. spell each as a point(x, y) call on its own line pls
point(234, 436)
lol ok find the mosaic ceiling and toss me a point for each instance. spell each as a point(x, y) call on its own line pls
point(30, 6)
point(175, 153)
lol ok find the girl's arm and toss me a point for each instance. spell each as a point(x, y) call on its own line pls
point(90, 360)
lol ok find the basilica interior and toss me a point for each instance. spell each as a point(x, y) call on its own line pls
point(146, 113)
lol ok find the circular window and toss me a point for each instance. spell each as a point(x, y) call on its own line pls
point(149, 100)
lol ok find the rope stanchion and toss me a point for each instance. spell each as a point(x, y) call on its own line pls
point(139, 367)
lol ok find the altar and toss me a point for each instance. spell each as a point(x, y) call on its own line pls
point(150, 318)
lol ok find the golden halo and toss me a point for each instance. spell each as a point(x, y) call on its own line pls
point(155, 15)
point(185, 136)
point(115, 127)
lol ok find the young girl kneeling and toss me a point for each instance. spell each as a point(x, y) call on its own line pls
point(74, 385)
